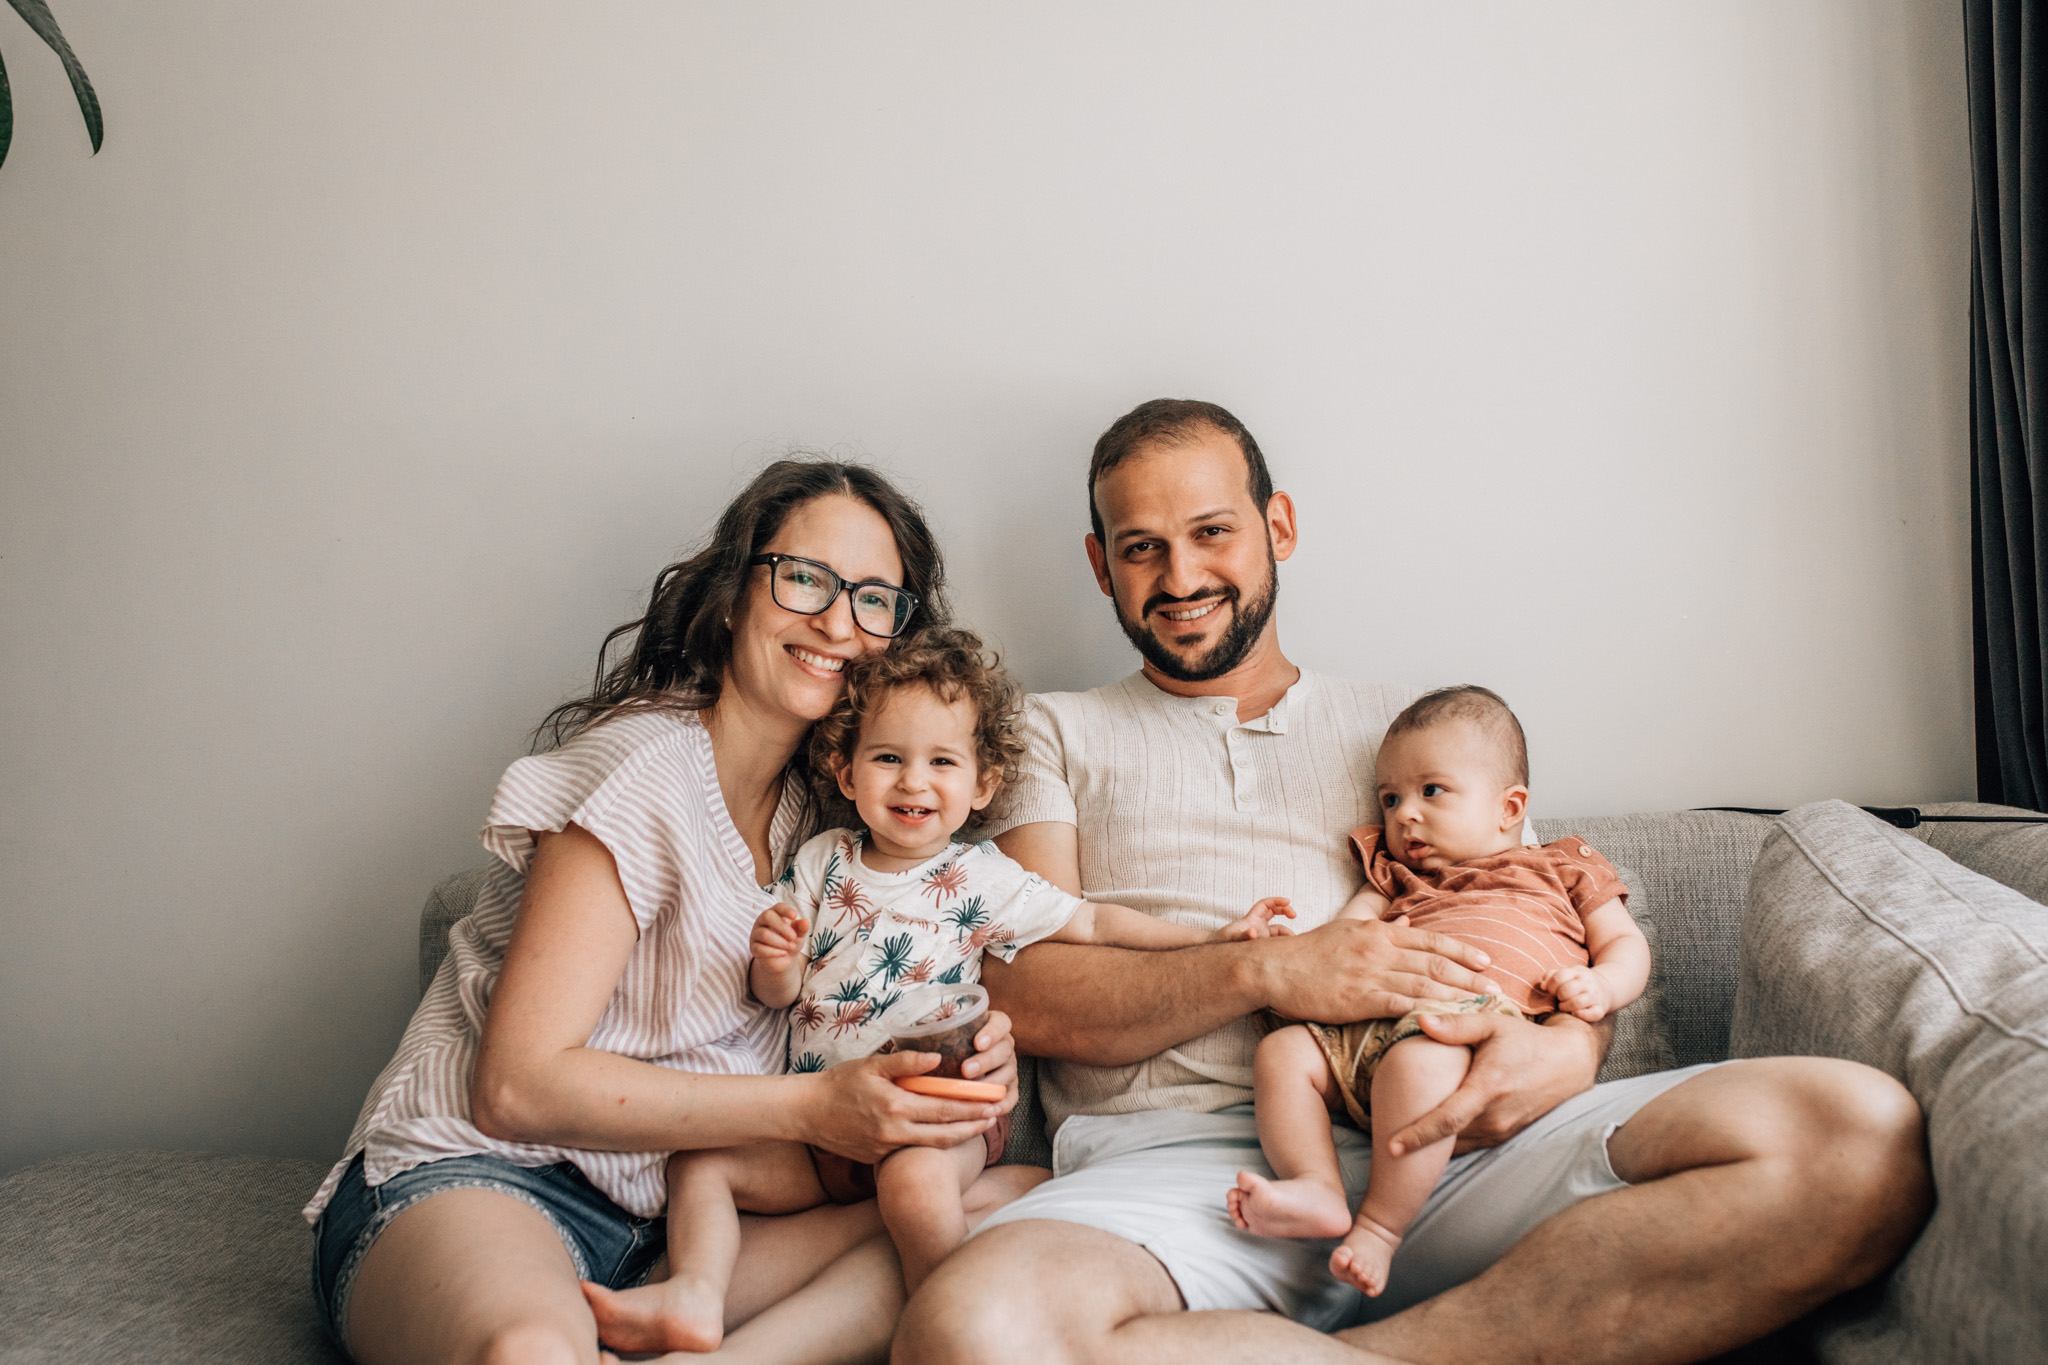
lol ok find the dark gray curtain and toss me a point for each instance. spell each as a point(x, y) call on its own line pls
point(2008, 394)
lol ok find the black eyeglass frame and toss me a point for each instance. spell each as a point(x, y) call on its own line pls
point(772, 561)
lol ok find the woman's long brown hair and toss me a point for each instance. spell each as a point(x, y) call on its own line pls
point(675, 654)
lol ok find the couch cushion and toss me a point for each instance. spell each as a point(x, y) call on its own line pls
point(2014, 854)
point(1686, 873)
point(1863, 942)
point(116, 1256)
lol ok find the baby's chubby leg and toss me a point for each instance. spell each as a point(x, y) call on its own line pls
point(921, 1191)
point(707, 1191)
point(1292, 1092)
point(1415, 1076)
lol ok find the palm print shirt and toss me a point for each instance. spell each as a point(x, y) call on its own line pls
point(874, 934)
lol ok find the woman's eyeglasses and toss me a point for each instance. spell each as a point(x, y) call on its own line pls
point(809, 588)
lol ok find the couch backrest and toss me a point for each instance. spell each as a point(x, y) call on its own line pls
point(1687, 872)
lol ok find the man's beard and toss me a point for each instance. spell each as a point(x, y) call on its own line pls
point(1248, 622)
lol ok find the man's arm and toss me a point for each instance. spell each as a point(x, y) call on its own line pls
point(1114, 1006)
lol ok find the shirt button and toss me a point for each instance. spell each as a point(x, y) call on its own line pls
point(1585, 852)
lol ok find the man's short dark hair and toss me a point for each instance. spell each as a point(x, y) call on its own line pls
point(1480, 707)
point(1173, 422)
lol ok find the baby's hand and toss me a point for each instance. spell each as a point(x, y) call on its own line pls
point(778, 937)
point(1258, 923)
point(1580, 991)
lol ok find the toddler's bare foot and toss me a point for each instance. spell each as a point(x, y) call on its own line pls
point(1287, 1208)
point(1363, 1260)
point(671, 1316)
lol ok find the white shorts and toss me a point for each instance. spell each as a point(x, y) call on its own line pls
point(1158, 1179)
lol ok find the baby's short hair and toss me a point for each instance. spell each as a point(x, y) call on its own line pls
point(1478, 706)
point(951, 662)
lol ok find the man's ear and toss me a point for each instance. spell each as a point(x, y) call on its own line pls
point(1514, 804)
point(841, 775)
point(1280, 524)
point(1098, 560)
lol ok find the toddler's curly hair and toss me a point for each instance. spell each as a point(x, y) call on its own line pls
point(953, 663)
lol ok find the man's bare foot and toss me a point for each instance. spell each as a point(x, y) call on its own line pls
point(1287, 1208)
point(1363, 1260)
point(670, 1316)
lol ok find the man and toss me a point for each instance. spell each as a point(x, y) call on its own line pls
point(1728, 1200)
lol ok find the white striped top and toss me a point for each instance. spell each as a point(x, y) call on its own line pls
point(644, 784)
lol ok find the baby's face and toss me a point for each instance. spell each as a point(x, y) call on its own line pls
point(1446, 797)
point(915, 778)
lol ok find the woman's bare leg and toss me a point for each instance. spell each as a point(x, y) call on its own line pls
point(1415, 1076)
point(848, 1312)
point(1291, 1092)
point(469, 1275)
point(706, 1191)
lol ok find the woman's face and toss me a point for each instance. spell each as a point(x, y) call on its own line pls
point(788, 664)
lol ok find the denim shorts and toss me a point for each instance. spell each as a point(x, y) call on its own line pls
point(608, 1245)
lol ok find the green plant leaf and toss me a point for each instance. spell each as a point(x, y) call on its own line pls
point(37, 14)
point(6, 114)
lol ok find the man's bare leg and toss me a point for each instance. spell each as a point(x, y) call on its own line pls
point(1759, 1190)
point(1766, 1188)
point(1045, 1292)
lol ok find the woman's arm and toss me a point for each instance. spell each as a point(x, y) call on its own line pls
point(537, 1080)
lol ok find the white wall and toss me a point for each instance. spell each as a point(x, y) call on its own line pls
point(1617, 351)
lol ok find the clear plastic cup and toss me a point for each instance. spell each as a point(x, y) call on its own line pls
point(941, 1019)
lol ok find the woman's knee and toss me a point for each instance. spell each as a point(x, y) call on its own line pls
point(535, 1342)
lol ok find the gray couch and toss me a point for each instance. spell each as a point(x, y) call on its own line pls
point(1850, 939)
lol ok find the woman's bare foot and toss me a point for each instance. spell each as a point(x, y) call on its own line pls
point(670, 1316)
point(1368, 1251)
point(1288, 1208)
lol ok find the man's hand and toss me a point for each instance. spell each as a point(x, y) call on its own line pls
point(1368, 969)
point(1520, 1072)
point(1257, 922)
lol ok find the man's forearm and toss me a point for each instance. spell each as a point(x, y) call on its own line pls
point(1115, 1006)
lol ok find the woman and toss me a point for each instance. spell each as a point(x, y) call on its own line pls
point(592, 1014)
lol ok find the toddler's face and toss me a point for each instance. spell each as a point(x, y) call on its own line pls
point(914, 776)
point(1445, 797)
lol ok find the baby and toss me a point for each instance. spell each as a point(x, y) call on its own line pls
point(1453, 785)
point(919, 743)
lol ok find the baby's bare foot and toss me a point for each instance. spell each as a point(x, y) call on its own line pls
point(1287, 1208)
point(670, 1316)
point(1364, 1258)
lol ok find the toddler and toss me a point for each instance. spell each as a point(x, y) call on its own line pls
point(1453, 786)
point(919, 743)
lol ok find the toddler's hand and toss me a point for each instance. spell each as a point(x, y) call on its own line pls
point(778, 938)
point(1258, 923)
point(1580, 991)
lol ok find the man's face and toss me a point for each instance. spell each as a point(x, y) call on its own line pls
point(1188, 559)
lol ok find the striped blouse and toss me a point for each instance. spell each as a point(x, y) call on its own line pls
point(644, 784)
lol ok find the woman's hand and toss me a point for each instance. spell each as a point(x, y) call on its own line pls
point(858, 1110)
